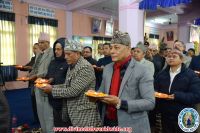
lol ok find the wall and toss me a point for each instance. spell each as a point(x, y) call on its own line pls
point(184, 24)
point(152, 30)
point(185, 21)
point(161, 31)
point(82, 25)
point(184, 33)
point(165, 29)
point(22, 38)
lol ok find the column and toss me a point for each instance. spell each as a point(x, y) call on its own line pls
point(69, 24)
point(183, 33)
point(131, 20)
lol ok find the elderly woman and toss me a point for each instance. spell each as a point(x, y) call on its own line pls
point(182, 86)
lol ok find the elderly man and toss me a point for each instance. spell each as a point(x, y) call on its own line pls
point(151, 52)
point(181, 47)
point(40, 68)
point(77, 109)
point(28, 66)
point(139, 54)
point(129, 86)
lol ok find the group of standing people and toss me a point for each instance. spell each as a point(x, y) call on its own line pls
point(128, 80)
point(124, 80)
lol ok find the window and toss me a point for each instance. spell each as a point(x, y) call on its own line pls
point(37, 25)
point(7, 38)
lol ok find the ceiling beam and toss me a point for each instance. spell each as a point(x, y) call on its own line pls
point(81, 4)
point(173, 10)
point(97, 14)
point(44, 3)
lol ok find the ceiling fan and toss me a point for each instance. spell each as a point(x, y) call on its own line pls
point(170, 22)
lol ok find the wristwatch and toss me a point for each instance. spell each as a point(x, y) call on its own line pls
point(118, 105)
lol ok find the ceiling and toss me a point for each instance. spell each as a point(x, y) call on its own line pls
point(110, 7)
point(63, 2)
point(167, 19)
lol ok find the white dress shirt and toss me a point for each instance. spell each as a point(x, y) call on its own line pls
point(172, 76)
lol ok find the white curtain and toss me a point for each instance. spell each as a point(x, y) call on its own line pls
point(7, 42)
point(34, 32)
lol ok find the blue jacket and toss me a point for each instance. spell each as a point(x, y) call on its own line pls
point(185, 87)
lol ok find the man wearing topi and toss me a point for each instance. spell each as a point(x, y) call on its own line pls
point(77, 110)
point(129, 86)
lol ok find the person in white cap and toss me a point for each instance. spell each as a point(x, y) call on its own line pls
point(179, 45)
point(40, 68)
point(153, 49)
point(77, 109)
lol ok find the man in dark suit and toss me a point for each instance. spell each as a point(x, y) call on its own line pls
point(4, 114)
point(28, 67)
point(87, 54)
point(2, 83)
point(101, 63)
point(195, 64)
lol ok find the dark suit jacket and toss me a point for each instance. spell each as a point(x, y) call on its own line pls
point(4, 114)
point(195, 63)
point(31, 62)
point(185, 87)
